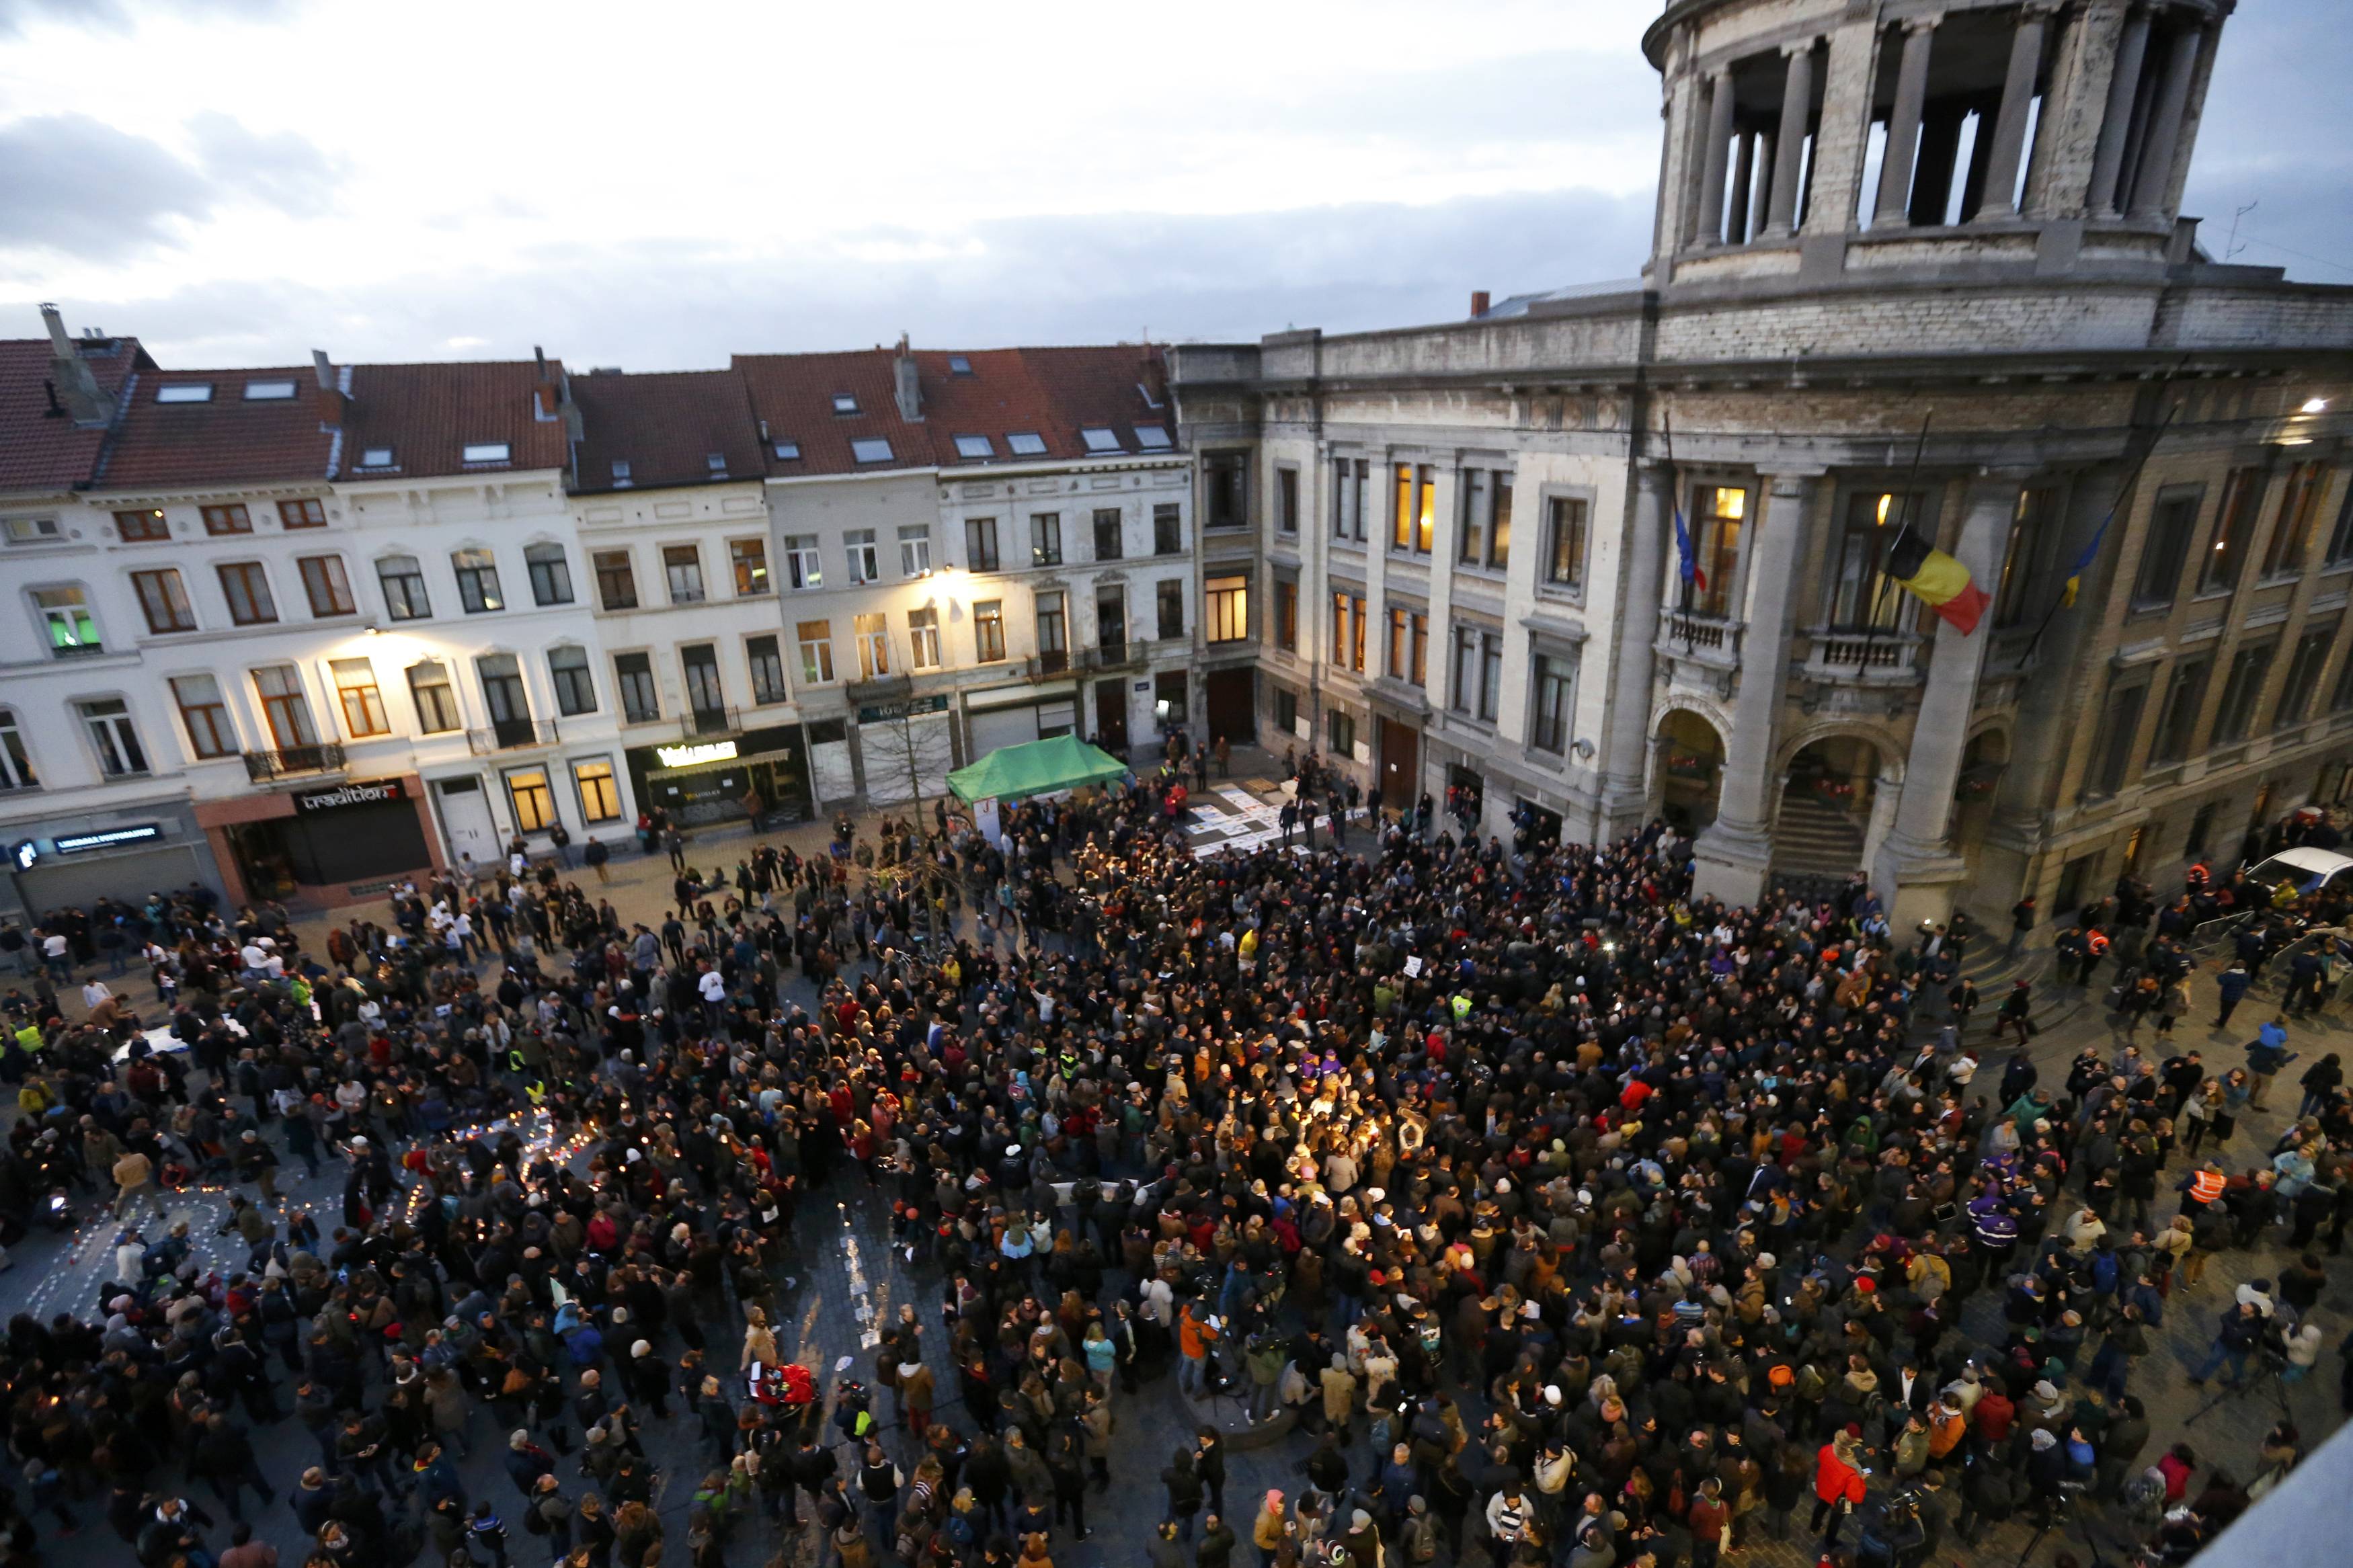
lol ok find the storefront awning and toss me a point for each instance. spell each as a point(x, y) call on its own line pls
point(1042, 767)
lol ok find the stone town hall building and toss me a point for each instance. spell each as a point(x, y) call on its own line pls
point(1872, 214)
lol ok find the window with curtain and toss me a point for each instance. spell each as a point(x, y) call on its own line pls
point(478, 580)
point(357, 695)
point(436, 698)
point(284, 708)
point(576, 686)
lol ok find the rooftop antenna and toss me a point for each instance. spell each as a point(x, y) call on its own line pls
point(2232, 246)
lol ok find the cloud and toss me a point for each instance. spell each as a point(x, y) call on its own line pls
point(85, 189)
point(281, 170)
point(1017, 281)
point(80, 188)
point(116, 16)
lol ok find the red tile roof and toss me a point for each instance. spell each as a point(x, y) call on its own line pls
point(38, 452)
point(429, 414)
point(1052, 393)
point(229, 439)
point(665, 427)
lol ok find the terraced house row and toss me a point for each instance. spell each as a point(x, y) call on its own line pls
point(300, 631)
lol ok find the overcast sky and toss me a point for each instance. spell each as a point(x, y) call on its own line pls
point(239, 181)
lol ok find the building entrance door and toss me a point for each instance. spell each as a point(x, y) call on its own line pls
point(466, 818)
point(1400, 766)
point(1111, 717)
point(1232, 702)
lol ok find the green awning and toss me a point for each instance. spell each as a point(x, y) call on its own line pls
point(1041, 767)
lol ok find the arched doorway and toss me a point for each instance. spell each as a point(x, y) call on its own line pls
point(1828, 798)
point(1690, 770)
point(1982, 763)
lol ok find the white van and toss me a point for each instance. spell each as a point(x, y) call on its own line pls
point(2308, 870)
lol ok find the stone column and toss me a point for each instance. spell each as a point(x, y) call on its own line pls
point(1625, 788)
point(1709, 230)
point(2009, 124)
point(1916, 870)
point(1744, 161)
point(1734, 854)
point(1903, 125)
point(2124, 81)
point(1797, 106)
point(2154, 177)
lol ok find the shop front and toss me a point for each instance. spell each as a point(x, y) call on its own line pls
point(336, 845)
point(701, 782)
point(124, 853)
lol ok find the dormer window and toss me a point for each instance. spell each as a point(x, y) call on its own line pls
point(788, 451)
point(620, 470)
point(376, 458)
point(1149, 400)
point(717, 463)
point(487, 452)
point(1026, 444)
point(975, 446)
point(845, 403)
point(186, 391)
point(1100, 438)
point(1152, 437)
point(268, 391)
point(959, 365)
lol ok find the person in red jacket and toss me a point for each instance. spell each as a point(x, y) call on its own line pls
point(1837, 1482)
point(1991, 1419)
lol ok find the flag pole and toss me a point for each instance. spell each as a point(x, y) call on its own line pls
point(1879, 577)
point(1674, 507)
point(2124, 492)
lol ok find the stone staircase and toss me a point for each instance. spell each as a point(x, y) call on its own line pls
point(1815, 838)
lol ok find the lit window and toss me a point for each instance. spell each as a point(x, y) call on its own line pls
point(268, 391)
point(1152, 437)
point(65, 612)
point(146, 524)
point(975, 446)
point(1100, 438)
point(845, 403)
point(486, 452)
point(186, 391)
point(1026, 444)
point(600, 799)
point(35, 529)
point(873, 449)
point(788, 451)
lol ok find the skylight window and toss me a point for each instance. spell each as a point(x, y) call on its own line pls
point(959, 365)
point(376, 458)
point(788, 451)
point(845, 403)
point(975, 446)
point(717, 463)
point(873, 449)
point(1026, 444)
point(1099, 439)
point(1149, 400)
point(1152, 437)
point(186, 391)
point(620, 470)
point(268, 391)
point(487, 452)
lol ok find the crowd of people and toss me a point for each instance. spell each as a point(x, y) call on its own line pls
point(1577, 1221)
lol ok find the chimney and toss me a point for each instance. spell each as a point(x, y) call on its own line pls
point(88, 404)
point(903, 384)
point(1478, 303)
point(331, 393)
point(545, 391)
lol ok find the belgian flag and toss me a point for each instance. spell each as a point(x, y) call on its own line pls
point(1936, 579)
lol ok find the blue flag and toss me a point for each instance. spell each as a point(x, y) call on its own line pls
point(1684, 553)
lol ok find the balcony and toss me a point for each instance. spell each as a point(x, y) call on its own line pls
point(263, 766)
point(1703, 640)
point(700, 722)
point(1886, 659)
point(510, 735)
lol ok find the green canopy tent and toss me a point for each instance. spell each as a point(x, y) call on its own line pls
point(1041, 767)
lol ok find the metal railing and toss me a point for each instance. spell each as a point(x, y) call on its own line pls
point(510, 735)
point(697, 722)
point(263, 766)
point(1841, 651)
